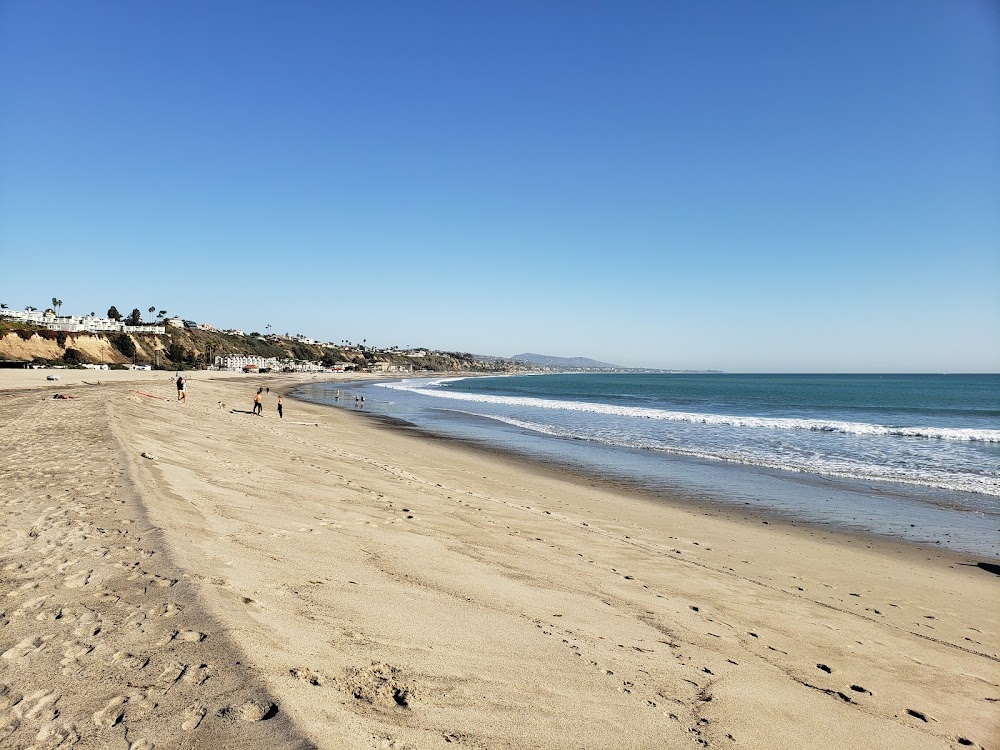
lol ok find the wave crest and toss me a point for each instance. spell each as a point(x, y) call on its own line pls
point(426, 388)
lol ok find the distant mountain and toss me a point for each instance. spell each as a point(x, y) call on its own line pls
point(544, 360)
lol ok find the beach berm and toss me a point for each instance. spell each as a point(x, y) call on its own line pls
point(330, 581)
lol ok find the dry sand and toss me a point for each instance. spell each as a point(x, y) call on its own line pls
point(327, 581)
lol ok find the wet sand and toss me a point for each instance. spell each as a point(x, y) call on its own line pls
point(327, 581)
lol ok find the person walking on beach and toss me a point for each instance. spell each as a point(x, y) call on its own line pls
point(280, 414)
point(180, 387)
point(258, 403)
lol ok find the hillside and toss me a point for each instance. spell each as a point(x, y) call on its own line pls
point(180, 349)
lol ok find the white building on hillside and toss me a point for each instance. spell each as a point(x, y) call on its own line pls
point(76, 323)
point(236, 362)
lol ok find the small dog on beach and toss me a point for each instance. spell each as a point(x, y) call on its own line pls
point(222, 405)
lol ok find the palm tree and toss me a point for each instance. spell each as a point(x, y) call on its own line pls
point(152, 309)
point(57, 304)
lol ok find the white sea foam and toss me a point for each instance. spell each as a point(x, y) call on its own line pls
point(430, 388)
point(845, 469)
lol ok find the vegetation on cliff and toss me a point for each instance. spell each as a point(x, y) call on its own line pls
point(182, 348)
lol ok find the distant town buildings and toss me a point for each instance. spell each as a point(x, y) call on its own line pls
point(250, 363)
point(76, 323)
point(238, 362)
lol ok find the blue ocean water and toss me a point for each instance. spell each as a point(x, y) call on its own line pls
point(914, 456)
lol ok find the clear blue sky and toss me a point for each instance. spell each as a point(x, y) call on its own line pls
point(767, 186)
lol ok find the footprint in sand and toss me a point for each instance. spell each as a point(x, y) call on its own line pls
point(307, 675)
point(79, 580)
point(252, 711)
point(52, 736)
point(112, 713)
point(920, 715)
point(380, 685)
point(50, 615)
point(62, 568)
point(44, 705)
point(129, 661)
point(199, 675)
point(9, 723)
point(88, 624)
point(22, 588)
point(74, 651)
point(193, 715)
point(171, 674)
point(8, 697)
point(188, 636)
point(30, 605)
point(167, 609)
point(26, 647)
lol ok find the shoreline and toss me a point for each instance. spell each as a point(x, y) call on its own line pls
point(688, 500)
point(385, 590)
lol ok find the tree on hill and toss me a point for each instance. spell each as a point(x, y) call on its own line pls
point(56, 303)
point(152, 309)
point(113, 313)
point(161, 314)
point(134, 318)
point(179, 354)
point(123, 343)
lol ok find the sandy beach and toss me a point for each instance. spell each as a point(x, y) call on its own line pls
point(188, 575)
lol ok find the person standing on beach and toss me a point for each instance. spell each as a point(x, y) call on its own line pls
point(258, 403)
point(280, 414)
point(180, 387)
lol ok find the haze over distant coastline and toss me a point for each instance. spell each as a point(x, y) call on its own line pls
point(544, 360)
point(551, 362)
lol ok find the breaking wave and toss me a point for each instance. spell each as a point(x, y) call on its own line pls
point(426, 388)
